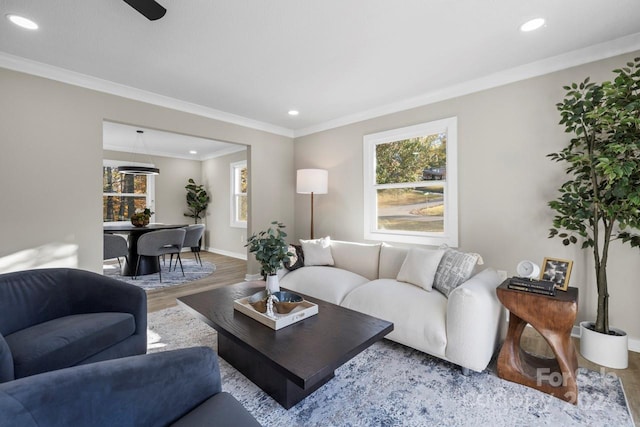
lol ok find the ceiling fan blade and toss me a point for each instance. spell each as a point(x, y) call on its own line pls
point(149, 8)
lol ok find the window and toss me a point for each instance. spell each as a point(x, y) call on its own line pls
point(410, 191)
point(239, 194)
point(123, 194)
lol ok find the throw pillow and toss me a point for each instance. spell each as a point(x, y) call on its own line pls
point(455, 268)
point(317, 251)
point(419, 267)
point(296, 260)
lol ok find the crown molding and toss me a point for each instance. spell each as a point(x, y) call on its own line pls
point(28, 66)
point(151, 152)
point(574, 58)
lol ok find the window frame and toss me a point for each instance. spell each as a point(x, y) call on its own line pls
point(151, 188)
point(235, 170)
point(450, 184)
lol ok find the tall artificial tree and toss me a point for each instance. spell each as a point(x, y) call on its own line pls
point(601, 200)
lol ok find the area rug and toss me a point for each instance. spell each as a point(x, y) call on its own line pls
point(192, 271)
point(392, 385)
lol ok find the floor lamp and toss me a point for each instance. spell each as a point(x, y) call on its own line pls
point(312, 181)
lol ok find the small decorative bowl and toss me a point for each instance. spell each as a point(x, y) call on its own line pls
point(259, 301)
point(287, 301)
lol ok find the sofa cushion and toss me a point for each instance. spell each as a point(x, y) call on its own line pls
point(419, 268)
point(66, 341)
point(359, 258)
point(418, 316)
point(455, 268)
point(326, 283)
point(391, 259)
point(317, 251)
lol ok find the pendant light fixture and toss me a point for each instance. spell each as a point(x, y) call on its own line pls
point(138, 170)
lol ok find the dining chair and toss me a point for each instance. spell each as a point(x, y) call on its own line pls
point(192, 240)
point(159, 243)
point(114, 246)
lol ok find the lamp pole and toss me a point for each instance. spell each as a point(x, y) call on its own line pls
point(311, 181)
point(311, 215)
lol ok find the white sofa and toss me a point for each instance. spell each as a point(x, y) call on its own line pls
point(463, 328)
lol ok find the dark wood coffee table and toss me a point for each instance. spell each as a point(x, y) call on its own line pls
point(293, 362)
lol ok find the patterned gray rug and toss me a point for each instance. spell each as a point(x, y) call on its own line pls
point(192, 271)
point(393, 385)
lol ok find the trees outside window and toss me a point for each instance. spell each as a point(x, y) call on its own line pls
point(239, 202)
point(123, 194)
point(411, 184)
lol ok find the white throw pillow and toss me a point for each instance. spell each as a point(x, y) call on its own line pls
point(419, 267)
point(317, 251)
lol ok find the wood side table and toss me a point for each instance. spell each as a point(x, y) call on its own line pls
point(553, 317)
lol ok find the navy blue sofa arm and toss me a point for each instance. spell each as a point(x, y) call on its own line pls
point(147, 390)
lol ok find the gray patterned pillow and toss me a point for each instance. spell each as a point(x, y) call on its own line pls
point(454, 269)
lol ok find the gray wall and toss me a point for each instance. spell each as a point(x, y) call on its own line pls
point(170, 194)
point(505, 182)
point(221, 237)
point(50, 168)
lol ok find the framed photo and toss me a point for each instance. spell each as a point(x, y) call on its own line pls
point(558, 271)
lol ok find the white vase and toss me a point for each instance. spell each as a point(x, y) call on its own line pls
point(611, 351)
point(273, 283)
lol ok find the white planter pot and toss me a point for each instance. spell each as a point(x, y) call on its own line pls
point(273, 283)
point(611, 351)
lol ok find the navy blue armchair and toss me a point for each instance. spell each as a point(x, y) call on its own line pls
point(177, 388)
point(56, 318)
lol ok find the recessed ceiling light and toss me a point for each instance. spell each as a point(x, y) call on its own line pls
point(193, 152)
point(23, 22)
point(532, 24)
point(293, 112)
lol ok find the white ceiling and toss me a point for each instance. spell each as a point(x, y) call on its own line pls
point(119, 137)
point(336, 61)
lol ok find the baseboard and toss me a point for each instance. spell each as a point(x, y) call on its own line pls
point(634, 343)
point(237, 255)
point(252, 277)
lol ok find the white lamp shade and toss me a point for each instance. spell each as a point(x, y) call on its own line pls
point(312, 181)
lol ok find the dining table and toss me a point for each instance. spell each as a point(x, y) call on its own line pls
point(148, 264)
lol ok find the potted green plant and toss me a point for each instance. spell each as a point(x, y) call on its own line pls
point(141, 217)
point(601, 199)
point(197, 200)
point(271, 251)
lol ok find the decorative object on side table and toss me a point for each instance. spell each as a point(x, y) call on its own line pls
point(271, 251)
point(557, 271)
point(141, 218)
point(601, 199)
point(528, 269)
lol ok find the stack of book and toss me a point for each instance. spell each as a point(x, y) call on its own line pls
point(543, 287)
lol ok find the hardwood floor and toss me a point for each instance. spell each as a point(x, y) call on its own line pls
point(232, 270)
point(228, 271)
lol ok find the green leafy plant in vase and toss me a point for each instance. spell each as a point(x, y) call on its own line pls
point(141, 217)
point(601, 200)
point(271, 251)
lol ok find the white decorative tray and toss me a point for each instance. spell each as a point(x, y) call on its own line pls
point(279, 321)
